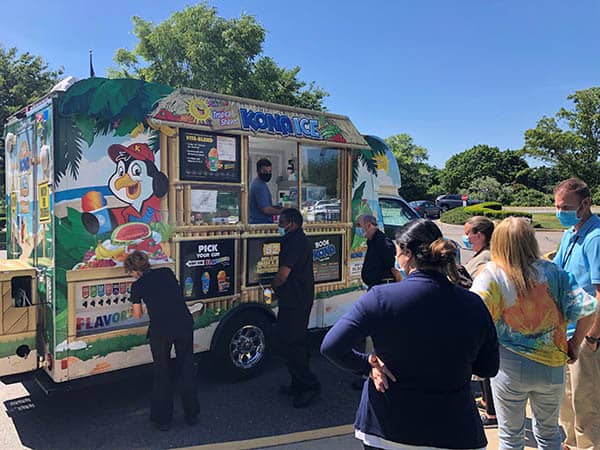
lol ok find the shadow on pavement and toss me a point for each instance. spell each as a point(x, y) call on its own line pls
point(116, 414)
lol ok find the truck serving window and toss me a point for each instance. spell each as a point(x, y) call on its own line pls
point(320, 196)
point(210, 206)
point(283, 182)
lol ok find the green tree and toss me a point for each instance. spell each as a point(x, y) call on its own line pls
point(570, 140)
point(542, 178)
point(417, 175)
point(23, 79)
point(198, 49)
point(488, 189)
point(481, 161)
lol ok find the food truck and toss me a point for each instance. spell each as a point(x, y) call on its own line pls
point(101, 167)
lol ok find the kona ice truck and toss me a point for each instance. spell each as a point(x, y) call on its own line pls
point(100, 167)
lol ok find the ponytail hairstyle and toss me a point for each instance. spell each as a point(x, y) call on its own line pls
point(429, 248)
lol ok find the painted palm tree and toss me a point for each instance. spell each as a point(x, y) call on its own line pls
point(104, 106)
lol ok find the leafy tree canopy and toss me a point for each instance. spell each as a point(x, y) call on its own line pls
point(481, 161)
point(198, 49)
point(571, 139)
point(417, 175)
point(23, 79)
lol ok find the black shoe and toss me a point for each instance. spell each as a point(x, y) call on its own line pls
point(287, 389)
point(303, 398)
point(191, 420)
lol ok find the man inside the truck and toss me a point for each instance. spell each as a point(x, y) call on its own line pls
point(261, 204)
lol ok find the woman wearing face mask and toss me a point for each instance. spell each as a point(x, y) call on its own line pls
point(422, 327)
point(531, 301)
point(478, 233)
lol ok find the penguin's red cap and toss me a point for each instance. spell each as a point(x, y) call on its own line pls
point(140, 152)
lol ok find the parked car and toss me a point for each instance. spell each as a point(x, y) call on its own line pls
point(426, 209)
point(449, 201)
point(327, 209)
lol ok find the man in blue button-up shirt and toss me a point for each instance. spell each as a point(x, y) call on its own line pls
point(579, 254)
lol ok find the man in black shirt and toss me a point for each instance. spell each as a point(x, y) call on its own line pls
point(170, 324)
point(379, 260)
point(294, 287)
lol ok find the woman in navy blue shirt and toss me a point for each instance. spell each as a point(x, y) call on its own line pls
point(429, 336)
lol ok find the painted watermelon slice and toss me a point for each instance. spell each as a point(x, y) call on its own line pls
point(130, 232)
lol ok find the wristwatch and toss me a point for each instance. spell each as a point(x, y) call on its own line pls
point(592, 340)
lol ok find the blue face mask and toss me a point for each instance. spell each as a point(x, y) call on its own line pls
point(567, 218)
point(400, 269)
point(281, 231)
point(359, 232)
point(466, 242)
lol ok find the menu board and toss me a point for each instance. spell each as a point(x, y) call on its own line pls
point(103, 305)
point(327, 257)
point(263, 259)
point(207, 268)
point(209, 157)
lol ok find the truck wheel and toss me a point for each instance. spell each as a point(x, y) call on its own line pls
point(243, 345)
point(444, 208)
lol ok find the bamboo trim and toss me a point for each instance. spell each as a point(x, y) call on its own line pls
point(245, 179)
point(164, 167)
point(187, 205)
point(16, 336)
point(174, 176)
point(103, 273)
point(71, 319)
point(179, 202)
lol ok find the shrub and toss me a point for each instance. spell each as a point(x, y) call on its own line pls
point(531, 197)
point(455, 216)
point(496, 206)
point(458, 216)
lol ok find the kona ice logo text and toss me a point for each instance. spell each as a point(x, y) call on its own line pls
point(259, 121)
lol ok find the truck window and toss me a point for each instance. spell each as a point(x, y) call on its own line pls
point(320, 196)
point(396, 213)
point(283, 183)
point(210, 206)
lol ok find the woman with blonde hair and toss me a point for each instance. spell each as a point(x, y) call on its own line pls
point(531, 301)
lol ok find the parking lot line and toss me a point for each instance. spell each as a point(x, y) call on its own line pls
point(281, 439)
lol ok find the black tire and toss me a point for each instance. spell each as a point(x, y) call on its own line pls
point(444, 208)
point(243, 345)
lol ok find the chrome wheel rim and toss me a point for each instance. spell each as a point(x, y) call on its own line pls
point(247, 347)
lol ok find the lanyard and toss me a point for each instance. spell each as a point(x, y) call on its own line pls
point(569, 251)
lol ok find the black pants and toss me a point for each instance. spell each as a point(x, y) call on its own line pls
point(294, 347)
point(486, 392)
point(161, 406)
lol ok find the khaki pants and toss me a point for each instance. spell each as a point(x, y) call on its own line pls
point(580, 408)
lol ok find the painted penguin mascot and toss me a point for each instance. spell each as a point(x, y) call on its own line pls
point(136, 182)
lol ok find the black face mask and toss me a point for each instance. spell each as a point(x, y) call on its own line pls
point(266, 177)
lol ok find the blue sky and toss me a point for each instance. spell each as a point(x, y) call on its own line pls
point(452, 74)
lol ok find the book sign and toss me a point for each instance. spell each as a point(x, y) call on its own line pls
point(327, 261)
point(207, 268)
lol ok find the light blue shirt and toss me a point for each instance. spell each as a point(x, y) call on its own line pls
point(260, 196)
point(579, 255)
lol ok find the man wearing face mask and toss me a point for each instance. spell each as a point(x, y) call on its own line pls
point(294, 286)
point(261, 206)
point(579, 255)
point(380, 256)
